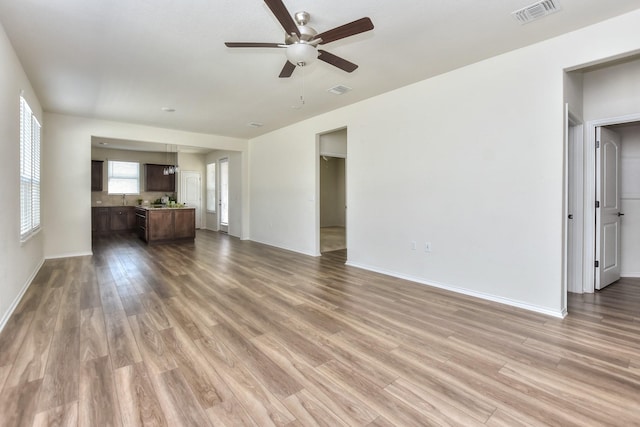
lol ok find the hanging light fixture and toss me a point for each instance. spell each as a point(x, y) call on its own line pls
point(170, 169)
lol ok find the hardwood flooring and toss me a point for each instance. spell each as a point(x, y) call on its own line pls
point(235, 333)
point(332, 239)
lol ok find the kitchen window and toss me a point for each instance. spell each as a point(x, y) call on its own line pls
point(29, 172)
point(123, 177)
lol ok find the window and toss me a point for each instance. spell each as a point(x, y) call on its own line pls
point(211, 187)
point(29, 172)
point(123, 177)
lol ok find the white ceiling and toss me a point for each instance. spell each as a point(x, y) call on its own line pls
point(123, 60)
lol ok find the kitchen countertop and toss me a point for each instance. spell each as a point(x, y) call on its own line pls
point(151, 208)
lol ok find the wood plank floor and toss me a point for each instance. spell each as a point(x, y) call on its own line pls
point(225, 332)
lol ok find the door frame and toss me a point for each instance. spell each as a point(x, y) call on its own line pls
point(574, 196)
point(590, 194)
point(318, 155)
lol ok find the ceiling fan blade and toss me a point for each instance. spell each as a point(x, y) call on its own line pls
point(287, 70)
point(284, 17)
point(252, 44)
point(346, 30)
point(336, 61)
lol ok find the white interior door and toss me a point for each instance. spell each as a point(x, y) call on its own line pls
point(223, 200)
point(608, 215)
point(191, 193)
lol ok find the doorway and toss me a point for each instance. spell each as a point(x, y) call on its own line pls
point(223, 200)
point(332, 191)
point(625, 256)
point(332, 204)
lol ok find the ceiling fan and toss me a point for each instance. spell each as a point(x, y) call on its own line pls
point(301, 41)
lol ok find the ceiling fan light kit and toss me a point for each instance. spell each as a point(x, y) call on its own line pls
point(301, 41)
point(301, 53)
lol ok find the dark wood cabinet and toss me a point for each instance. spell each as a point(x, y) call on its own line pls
point(113, 219)
point(184, 224)
point(156, 180)
point(160, 225)
point(97, 167)
point(122, 218)
point(100, 220)
point(165, 225)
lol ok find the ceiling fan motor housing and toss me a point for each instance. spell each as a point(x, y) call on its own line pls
point(306, 32)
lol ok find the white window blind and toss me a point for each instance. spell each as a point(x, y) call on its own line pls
point(123, 177)
point(211, 187)
point(29, 172)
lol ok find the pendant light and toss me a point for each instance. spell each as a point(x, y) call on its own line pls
point(170, 169)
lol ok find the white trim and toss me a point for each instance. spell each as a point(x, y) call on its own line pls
point(70, 255)
point(330, 154)
point(574, 128)
point(7, 315)
point(630, 275)
point(284, 247)
point(590, 193)
point(489, 297)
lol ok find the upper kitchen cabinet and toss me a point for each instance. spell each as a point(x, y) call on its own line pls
point(96, 175)
point(156, 180)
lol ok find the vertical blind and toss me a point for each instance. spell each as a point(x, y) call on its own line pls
point(211, 187)
point(29, 171)
point(123, 177)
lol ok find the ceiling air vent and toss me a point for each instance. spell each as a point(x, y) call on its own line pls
point(339, 90)
point(536, 11)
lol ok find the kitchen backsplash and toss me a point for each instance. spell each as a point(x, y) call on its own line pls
point(101, 198)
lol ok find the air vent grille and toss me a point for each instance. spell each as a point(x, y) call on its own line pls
point(536, 11)
point(339, 89)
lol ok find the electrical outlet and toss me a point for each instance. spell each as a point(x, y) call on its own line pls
point(427, 247)
point(413, 245)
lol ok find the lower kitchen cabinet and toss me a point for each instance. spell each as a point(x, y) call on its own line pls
point(113, 219)
point(166, 225)
point(160, 224)
point(100, 220)
point(185, 224)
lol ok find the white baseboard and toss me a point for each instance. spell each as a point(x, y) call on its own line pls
point(69, 255)
point(18, 298)
point(631, 275)
point(489, 297)
point(285, 248)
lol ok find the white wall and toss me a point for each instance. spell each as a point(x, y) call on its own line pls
point(470, 161)
point(18, 262)
point(67, 173)
point(283, 188)
point(612, 91)
point(334, 143)
point(573, 92)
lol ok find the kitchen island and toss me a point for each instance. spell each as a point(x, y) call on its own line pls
point(165, 224)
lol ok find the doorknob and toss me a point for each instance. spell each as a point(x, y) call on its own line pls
point(620, 214)
point(570, 216)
